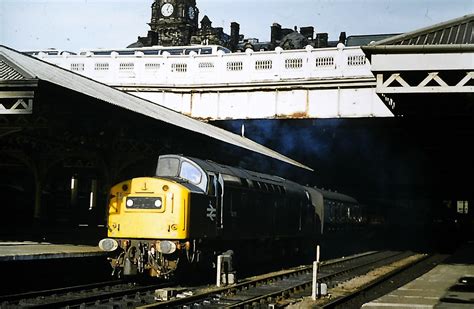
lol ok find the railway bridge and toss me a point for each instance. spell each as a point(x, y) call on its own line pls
point(304, 84)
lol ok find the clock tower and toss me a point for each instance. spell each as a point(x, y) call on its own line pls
point(173, 22)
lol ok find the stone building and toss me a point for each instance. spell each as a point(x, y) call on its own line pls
point(175, 23)
point(288, 38)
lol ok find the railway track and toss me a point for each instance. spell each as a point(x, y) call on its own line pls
point(260, 291)
point(269, 290)
point(385, 283)
point(118, 292)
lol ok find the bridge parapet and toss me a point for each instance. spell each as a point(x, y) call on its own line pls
point(307, 83)
point(220, 69)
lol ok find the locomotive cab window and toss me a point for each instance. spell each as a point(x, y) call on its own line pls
point(190, 173)
point(168, 167)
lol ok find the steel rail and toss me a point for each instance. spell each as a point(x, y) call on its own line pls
point(88, 296)
point(64, 290)
point(101, 296)
point(303, 285)
point(253, 282)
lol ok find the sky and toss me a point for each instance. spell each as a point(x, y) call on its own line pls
point(80, 24)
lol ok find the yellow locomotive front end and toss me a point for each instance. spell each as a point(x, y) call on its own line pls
point(148, 226)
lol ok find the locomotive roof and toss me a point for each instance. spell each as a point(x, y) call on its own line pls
point(210, 166)
point(337, 196)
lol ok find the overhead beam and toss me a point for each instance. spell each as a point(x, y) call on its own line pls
point(422, 62)
point(16, 102)
point(387, 85)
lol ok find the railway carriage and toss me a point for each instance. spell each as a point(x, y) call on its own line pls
point(341, 212)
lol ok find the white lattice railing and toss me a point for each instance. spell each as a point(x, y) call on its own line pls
point(248, 67)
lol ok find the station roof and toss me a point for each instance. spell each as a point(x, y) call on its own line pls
point(17, 67)
point(358, 40)
point(454, 31)
point(455, 35)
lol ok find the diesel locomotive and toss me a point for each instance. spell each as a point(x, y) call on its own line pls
point(194, 209)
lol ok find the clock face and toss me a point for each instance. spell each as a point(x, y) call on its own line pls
point(191, 12)
point(167, 9)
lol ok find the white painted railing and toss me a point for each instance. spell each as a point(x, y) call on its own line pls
point(236, 68)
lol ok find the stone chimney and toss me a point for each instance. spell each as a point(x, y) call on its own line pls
point(342, 38)
point(276, 33)
point(234, 35)
point(307, 32)
point(321, 40)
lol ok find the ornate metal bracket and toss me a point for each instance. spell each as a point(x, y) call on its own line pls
point(404, 87)
point(16, 102)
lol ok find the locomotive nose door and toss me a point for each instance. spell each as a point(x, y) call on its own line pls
point(220, 203)
point(216, 194)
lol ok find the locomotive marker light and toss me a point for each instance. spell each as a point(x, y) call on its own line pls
point(167, 247)
point(108, 244)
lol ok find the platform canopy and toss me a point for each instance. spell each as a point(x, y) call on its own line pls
point(429, 65)
point(23, 73)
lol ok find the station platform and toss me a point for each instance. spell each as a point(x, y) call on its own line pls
point(30, 251)
point(448, 285)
